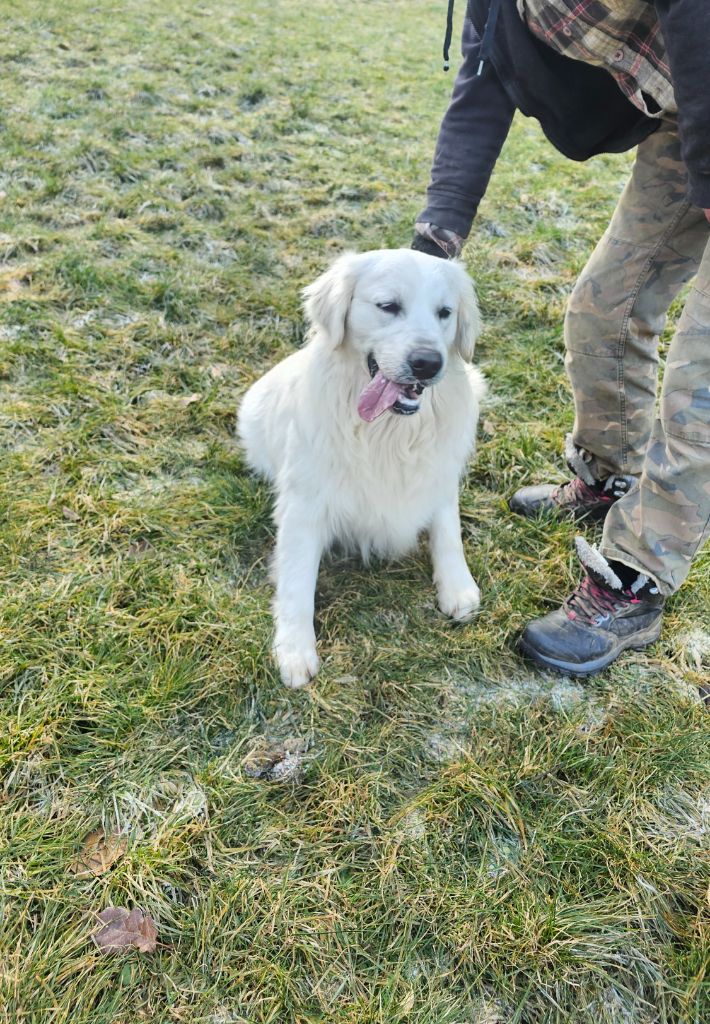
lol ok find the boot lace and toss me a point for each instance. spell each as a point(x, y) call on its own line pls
point(576, 492)
point(593, 603)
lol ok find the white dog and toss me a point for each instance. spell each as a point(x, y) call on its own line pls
point(365, 432)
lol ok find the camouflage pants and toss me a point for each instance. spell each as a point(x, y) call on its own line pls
point(656, 242)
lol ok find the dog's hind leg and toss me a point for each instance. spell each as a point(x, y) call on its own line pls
point(459, 596)
point(298, 554)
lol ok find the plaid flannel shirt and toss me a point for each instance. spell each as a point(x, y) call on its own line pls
point(623, 36)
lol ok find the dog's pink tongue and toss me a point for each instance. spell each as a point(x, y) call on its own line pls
point(379, 395)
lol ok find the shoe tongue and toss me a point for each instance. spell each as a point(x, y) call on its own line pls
point(602, 582)
point(379, 395)
point(596, 565)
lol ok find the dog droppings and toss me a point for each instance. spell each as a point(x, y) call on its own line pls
point(282, 762)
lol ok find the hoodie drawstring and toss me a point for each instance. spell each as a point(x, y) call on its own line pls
point(449, 33)
point(488, 33)
point(486, 41)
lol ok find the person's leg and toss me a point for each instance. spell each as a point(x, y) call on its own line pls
point(615, 314)
point(653, 246)
point(658, 527)
point(652, 533)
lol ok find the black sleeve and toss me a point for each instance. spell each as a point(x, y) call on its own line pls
point(686, 30)
point(471, 137)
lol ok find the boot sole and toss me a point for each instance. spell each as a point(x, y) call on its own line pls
point(597, 515)
point(588, 668)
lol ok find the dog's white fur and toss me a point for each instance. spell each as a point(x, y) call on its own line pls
point(370, 486)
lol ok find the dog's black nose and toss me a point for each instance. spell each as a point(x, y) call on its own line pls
point(425, 363)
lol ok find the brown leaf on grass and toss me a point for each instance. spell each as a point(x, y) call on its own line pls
point(121, 929)
point(184, 400)
point(98, 854)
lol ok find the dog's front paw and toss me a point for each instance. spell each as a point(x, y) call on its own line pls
point(460, 605)
point(297, 664)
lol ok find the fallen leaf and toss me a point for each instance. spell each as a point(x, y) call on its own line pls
point(121, 928)
point(407, 1002)
point(98, 854)
point(186, 400)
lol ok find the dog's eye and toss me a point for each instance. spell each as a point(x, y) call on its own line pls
point(444, 313)
point(390, 307)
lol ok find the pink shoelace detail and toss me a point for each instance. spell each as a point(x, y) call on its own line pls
point(592, 601)
point(577, 492)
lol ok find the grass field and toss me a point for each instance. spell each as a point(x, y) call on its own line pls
point(456, 839)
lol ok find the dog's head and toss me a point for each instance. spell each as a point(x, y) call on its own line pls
point(405, 314)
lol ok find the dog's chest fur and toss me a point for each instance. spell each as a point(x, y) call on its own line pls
point(377, 503)
point(380, 483)
point(372, 487)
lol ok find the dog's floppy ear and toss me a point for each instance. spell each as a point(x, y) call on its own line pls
point(327, 300)
point(468, 321)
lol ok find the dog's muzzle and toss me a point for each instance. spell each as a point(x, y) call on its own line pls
point(407, 402)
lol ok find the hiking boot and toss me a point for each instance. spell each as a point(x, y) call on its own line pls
point(613, 609)
point(576, 498)
point(583, 497)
